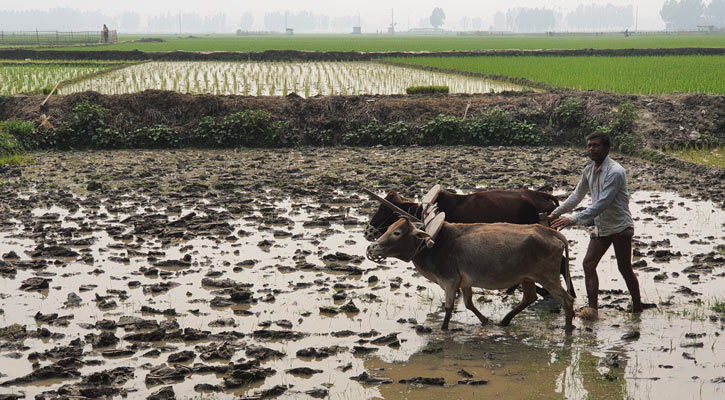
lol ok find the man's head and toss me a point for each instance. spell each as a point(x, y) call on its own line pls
point(598, 144)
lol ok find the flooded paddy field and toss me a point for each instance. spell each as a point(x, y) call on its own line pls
point(227, 274)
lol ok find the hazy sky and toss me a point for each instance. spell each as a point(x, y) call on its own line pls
point(374, 12)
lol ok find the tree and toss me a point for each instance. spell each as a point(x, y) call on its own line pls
point(499, 22)
point(682, 15)
point(601, 17)
point(437, 17)
point(129, 22)
point(716, 13)
point(246, 21)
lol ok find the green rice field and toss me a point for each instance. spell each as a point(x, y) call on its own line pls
point(403, 42)
point(278, 79)
point(644, 75)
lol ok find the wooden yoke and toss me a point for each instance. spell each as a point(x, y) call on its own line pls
point(433, 228)
point(392, 206)
point(428, 204)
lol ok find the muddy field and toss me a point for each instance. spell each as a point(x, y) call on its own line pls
point(242, 273)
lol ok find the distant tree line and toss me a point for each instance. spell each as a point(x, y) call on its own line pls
point(68, 19)
point(53, 19)
point(592, 17)
point(689, 14)
point(303, 21)
point(187, 22)
point(600, 17)
point(677, 15)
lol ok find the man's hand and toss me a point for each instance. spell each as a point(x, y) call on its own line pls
point(561, 223)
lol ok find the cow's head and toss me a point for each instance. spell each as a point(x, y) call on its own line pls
point(384, 216)
point(402, 240)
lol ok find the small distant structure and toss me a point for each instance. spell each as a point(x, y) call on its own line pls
point(391, 28)
point(706, 28)
point(289, 31)
point(357, 29)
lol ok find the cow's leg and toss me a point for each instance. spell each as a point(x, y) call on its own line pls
point(468, 301)
point(450, 292)
point(564, 298)
point(529, 297)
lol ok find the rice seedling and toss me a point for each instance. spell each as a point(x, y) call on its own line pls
point(16, 77)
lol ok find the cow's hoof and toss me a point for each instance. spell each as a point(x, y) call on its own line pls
point(444, 328)
point(588, 314)
point(503, 323)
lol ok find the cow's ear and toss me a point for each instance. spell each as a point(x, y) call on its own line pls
point(420, 235)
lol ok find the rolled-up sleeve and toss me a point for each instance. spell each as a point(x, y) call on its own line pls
point(613, 182)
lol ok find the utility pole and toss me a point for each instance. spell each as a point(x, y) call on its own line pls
point(636, 17)
point(392, 22)
point(179, 22)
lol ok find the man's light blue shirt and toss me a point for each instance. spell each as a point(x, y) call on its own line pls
point(610, 201)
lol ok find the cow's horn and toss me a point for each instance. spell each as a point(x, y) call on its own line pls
point(392, 206)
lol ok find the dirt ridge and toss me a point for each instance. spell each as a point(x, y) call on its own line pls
point(301, 55)
point(664, 119)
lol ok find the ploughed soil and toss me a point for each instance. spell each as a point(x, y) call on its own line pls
point(663, 119)
point(173, 274)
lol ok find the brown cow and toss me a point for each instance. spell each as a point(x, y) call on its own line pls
point(521, 206)
point(513, 206)
point(490, 256)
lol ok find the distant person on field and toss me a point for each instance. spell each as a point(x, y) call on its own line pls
point(606, 181)
point(105, 33)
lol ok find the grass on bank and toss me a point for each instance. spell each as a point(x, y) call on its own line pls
point(15, 159)
point(402, 42)
point(645, 74)
point(709, 156)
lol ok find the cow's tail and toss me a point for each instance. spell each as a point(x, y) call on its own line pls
point(565, 265)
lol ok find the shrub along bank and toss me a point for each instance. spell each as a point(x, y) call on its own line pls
point(88, 127)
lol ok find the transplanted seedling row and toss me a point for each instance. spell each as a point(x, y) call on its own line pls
point(279, 79)
point(29, 78)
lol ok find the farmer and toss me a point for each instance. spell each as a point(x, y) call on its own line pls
point(606, 181)
point(105, 33)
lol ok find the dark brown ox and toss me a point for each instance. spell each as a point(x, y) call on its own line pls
point(514, 206)
point(490, 256)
